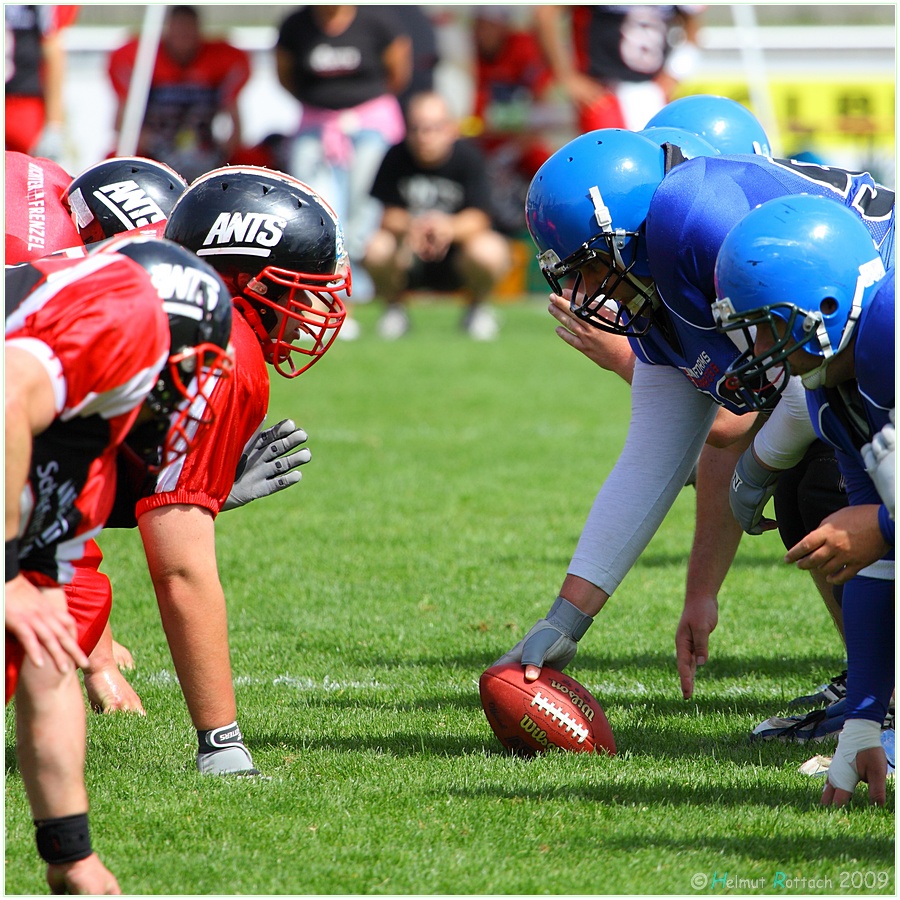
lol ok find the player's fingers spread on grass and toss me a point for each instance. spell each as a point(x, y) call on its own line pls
point(686, 661)
point(835, 796)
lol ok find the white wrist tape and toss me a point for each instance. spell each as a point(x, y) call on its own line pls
point(856, 735)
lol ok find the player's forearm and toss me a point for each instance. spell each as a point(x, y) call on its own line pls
point(548, 30)
point(467, 223)
point(717, 534)
point(54, 77)
point(396, 220)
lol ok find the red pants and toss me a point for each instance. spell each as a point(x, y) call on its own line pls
point(89, 601)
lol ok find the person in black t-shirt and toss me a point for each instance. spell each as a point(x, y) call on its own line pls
point(436, 230)
point(346, 65)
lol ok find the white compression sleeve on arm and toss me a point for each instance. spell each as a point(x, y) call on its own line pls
point(785, 437)
point(670, 420)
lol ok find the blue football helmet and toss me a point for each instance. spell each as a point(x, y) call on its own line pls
point(690, 144)
point(804, 267)
point(726, 124)
point(588, 204)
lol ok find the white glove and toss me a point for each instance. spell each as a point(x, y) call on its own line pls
point(856, 735)
point(752, 485)
point(552, 640)
point(267, 465)
point(879, 461)
point(52, 143)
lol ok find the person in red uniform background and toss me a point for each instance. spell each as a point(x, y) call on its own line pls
point(35, 68)
point(194, 81)
point(511, 77)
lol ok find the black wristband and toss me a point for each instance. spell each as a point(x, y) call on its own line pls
point(63, 840)
point(12, 559)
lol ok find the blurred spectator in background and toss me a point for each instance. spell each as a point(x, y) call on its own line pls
point(35, 69)
point(620, 65)
point(511, 77)
point(346, 65)
point(420, 28)
point(436, 227)
point(191, 122)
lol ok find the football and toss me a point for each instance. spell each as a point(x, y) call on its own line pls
point(555, 711)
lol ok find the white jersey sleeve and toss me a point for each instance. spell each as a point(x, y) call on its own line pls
point(670, 421)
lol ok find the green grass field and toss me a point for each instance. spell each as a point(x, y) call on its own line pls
point(448, 486)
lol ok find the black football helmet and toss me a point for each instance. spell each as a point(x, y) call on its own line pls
point(279, 247)
point(121, 194)
point(199, 308)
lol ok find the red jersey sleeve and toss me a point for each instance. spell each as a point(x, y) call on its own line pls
point(103, 321)
point(205, 476)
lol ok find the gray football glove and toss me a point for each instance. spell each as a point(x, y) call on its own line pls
point(879, 459)
point(752, 485)
point(552, 640)
point(267, 464)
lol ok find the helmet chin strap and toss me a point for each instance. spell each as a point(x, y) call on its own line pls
point(816, 379)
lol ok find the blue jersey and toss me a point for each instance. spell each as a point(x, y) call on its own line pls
point(848, 416)
point(694, 208)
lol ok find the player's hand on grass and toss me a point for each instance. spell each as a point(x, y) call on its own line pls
point(42, 625)
point(551, 641)
point(751, 488)
point(698, 620)
point(844, 543)
point(859, 757)
point(269, 464)
point(84, 876)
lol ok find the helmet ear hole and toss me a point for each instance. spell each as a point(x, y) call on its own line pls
point(829, 306)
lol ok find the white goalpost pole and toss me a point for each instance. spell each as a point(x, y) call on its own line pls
point(744, 16)
point(139, 88)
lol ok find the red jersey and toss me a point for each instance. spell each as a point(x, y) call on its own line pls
point(204, 477)
point(37, 223)
point(183, 101)
point(100, 331)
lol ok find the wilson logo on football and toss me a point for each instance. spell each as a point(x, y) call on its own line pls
point(129, 204)
point(577, 700)
point(249, 234)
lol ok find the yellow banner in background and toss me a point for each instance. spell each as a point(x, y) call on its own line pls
point(820, 112)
